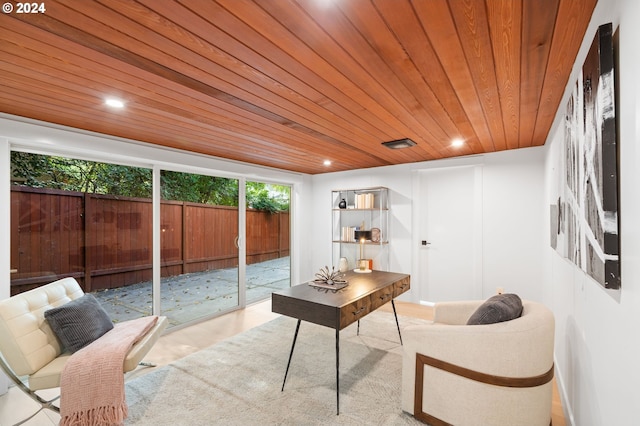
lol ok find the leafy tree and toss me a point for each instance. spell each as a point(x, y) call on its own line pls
point(269, 197)
point(46, 171)
point(123, 180)
point(199, 188)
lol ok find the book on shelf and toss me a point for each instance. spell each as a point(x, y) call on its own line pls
point(347, 233)
point(364, 201)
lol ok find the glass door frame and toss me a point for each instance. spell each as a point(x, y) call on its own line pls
point(157, 236)
point(242, 242)
point(68, 142)
point(248, 249)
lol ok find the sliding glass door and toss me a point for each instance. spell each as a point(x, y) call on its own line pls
point(87, 220)
point(199, 246)
point(268, 237)
point(93, 221)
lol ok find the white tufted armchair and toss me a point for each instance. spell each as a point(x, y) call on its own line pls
point(28, 346)
point(496, 374)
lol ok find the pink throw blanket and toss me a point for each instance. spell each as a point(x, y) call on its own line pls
point(92, 381)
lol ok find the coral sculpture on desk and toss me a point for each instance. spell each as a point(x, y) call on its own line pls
point(329, 276)
point(329, 279)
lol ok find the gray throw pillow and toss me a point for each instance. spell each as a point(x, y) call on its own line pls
point(498, 308)
point(79, 322)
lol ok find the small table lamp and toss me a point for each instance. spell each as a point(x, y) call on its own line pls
point(363, 236)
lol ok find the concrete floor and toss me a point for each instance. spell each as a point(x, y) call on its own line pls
point(188, 297)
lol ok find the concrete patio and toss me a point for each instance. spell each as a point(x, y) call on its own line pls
point(187, 297)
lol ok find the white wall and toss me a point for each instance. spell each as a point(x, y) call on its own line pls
point(597, 344)
point(396, 178)
point(512, 191)
point(512, 233)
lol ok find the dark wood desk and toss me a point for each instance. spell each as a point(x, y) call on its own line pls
point(339, 308)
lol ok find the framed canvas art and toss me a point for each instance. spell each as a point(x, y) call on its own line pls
point(586, 215)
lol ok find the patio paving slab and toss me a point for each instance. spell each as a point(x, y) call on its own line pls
point(190, 296)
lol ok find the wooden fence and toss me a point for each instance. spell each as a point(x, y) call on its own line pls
point(106, 241)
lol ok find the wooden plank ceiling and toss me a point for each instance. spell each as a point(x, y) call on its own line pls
point(290, 83)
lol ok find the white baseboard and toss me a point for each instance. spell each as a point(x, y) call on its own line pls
point(566, 405)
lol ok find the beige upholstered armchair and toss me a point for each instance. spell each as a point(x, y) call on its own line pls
point(495, 374)
point(29, 348)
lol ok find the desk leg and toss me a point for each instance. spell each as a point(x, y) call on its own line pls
point(397, 323)
point(337, 372)
point(293, 345)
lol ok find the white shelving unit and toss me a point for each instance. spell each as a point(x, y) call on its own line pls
point(368, 207)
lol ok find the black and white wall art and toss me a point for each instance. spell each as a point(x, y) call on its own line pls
point(585, 217)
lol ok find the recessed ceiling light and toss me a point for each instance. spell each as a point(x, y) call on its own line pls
point(457, 143)
point(399, 143)
point(325, 3)
point(114, 103)
point(327, 162)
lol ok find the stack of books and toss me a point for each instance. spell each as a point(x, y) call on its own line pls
point(364, 201)
point(347, 233)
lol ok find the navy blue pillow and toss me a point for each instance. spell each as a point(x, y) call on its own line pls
point(498, 308)
point(79, 322)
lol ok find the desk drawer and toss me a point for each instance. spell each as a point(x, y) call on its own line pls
point(381, 297)
point(401, 286)
point(354, 311)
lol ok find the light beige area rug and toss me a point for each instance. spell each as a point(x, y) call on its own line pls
point(238, 381)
